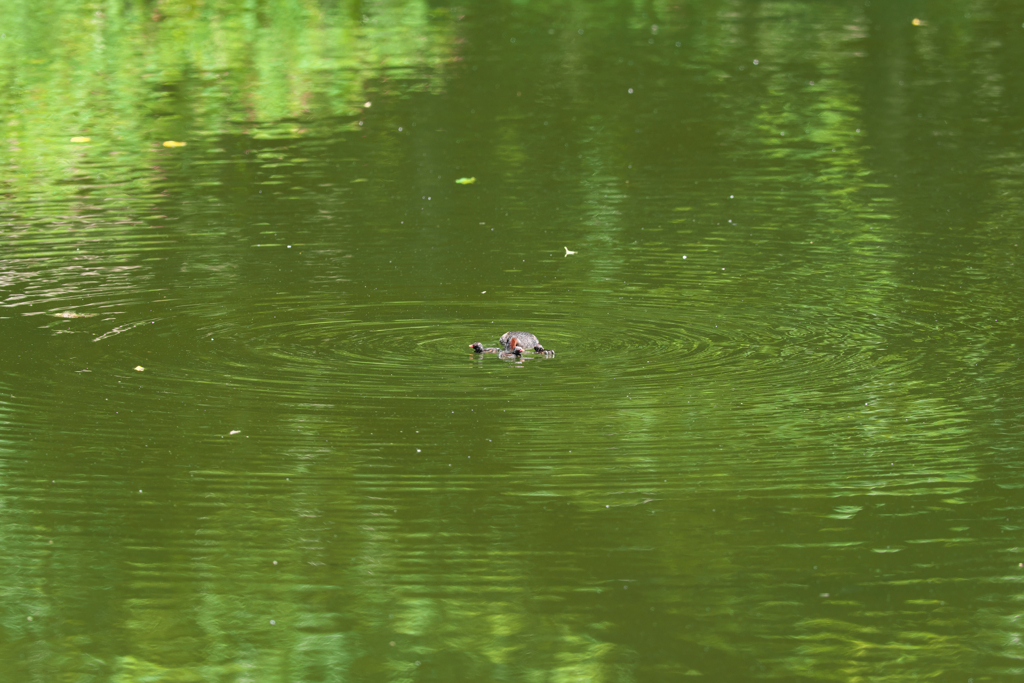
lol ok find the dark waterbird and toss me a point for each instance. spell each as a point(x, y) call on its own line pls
point(514, 343)
point(524, 339)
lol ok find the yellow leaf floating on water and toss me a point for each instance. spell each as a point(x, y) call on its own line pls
point(466, 181)
point(138, 368)
point(173, 143)
point(80, 138)
point(917, 22)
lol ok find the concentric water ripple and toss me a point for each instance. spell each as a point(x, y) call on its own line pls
point(407, 347)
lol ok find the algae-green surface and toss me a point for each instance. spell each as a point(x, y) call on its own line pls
point(773, 245)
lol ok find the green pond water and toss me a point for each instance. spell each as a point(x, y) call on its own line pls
point(243, 436)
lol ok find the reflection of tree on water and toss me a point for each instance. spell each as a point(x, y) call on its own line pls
point(788, 312)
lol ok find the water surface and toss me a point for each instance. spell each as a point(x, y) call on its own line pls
point(244, 438)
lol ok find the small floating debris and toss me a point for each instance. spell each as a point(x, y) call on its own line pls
point(466, 181)
point(174, 143)
point(234, 431)
point(917, 22)
point(72, 314)
point(80, 138)
point(569, 253)
point(122, 328)
point(138, 368)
